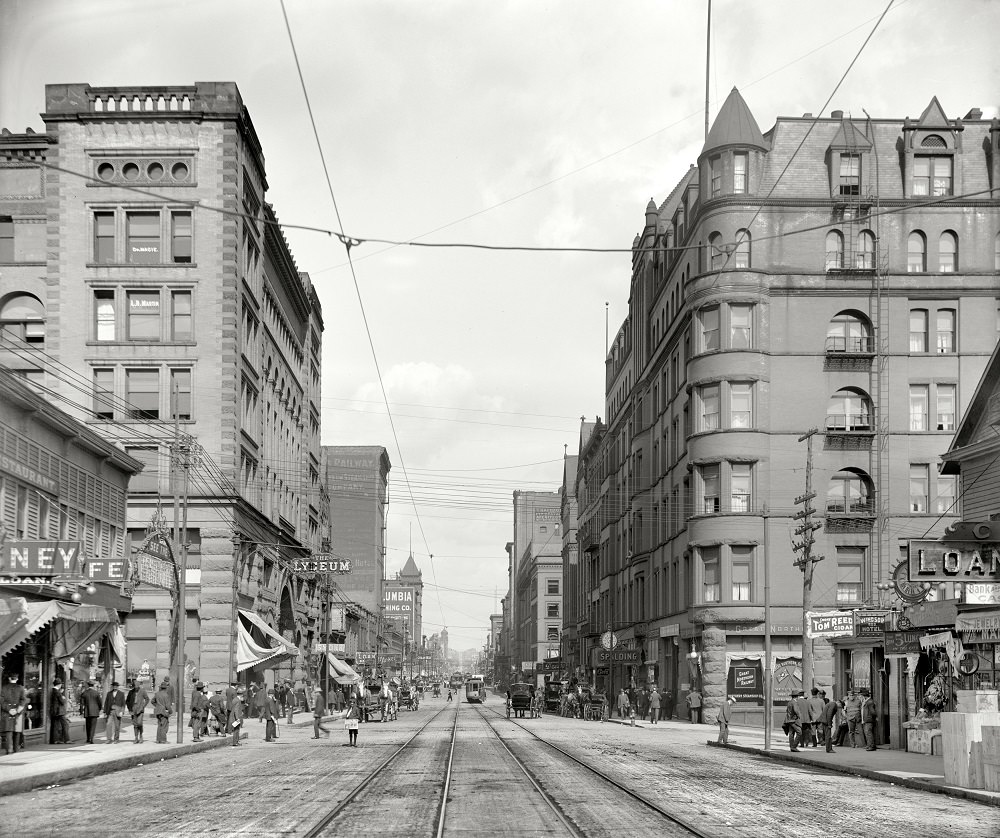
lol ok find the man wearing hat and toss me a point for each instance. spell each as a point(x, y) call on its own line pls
point(725, 715)
point(868, 717)
point(90, 707)
point(13, 703)
point(162, 708)
point(199, 709)
point(319, 709)
point(792, 726)
point(114, 709)
point(236, 714)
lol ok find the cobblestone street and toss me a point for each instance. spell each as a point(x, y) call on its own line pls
point(284, 788)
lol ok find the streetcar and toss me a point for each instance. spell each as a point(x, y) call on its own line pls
point(475, 690)
point(456, 681)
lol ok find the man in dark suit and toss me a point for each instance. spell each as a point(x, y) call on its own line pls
point(90, 706)
point(58, 723)
point(162, 708)
point(114, 709)
point(868, 719)
point(271, 713)
point(137, 707)
point(13, 703)
point(199, 709)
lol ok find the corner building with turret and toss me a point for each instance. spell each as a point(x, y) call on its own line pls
point(836, 274)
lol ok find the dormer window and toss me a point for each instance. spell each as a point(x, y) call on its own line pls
point(740, 173)
point(849, 182)
point(932, 175)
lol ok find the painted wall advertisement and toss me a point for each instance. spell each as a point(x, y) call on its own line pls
point(745, 681)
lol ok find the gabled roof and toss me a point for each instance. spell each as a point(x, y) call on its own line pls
point(933, 115)
point(849, 136)
point(981, 417)
point(734, 125)
point(410, 568)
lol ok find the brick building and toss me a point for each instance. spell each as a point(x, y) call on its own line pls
point(144, 249)
point(833, 273)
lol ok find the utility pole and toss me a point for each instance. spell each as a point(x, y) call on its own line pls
point(806, 559)
point(768, 674)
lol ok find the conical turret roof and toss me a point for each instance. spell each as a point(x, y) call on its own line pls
point(734, 125)
point(410, 568)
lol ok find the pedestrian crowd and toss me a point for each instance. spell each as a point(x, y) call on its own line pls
point(819, 720)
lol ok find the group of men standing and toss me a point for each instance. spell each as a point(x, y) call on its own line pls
point(818, 720)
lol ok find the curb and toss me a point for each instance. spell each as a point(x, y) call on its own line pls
point(868, 773)
point(82, 772)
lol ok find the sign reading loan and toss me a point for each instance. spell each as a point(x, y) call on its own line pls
point(949, 561)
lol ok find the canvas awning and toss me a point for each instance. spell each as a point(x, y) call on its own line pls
point(13, 615)
point(344, 674)
point(250, 653)
point(74, 627)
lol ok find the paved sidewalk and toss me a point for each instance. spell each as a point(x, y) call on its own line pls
point(917, 771)
point(38, 766)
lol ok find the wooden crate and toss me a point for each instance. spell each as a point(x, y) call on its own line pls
point(963, 747)
point(991, 757)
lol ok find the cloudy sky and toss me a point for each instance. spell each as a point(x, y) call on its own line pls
point(531, 123)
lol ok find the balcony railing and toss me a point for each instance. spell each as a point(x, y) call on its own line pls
point(846, 423)
point(864, 345)
point(851, 507)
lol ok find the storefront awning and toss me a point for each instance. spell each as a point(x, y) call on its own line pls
point(249, 653)
point(13, 615)
point(74, 627)
point(344, 673)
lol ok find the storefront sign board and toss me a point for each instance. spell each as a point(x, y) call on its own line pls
point(982, 593)
point(953, 561)
point(830, 624)
point(602, 657)
point(870, 623)
point(902, 642)
point(322, 564)
point(984, 624)
point(41, 558)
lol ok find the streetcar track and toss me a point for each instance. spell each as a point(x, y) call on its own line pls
point(319, 827)
point(682, 822)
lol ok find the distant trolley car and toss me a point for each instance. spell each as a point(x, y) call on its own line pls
point(475, 690)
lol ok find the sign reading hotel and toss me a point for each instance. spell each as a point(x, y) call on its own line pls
point(41, 558)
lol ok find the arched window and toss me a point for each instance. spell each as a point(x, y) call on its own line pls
point(834, 250)
point(849, 332)
point(849, 492)
point(933, 141)
point(741, 254)
point(22, 320)
point(849, 410)
point(916, 253)
point(864, 258)
point(948, 252)
point(716, 254)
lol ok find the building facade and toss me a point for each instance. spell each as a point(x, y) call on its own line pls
point(177, 323)
point(833, 274)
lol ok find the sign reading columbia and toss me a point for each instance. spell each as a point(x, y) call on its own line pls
point(943, 561)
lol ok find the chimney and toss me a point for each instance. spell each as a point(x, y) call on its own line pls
point(836, 114)
point(975, 113)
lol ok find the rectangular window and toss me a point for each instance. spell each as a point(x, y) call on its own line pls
point(944, 502)
point(741, 581)
point(710, 583)
point(919, 484)
point(739, 480)
point(710, 407)
point(710, 328)
point(946, 331)
point(6, 239)
point(143, 315)
point(180, 394)
point(104, 315)
point(104, 238)
point(147, 480)
point(919, 398)
point(552, 586)
point(918, 330)
point(741, 405)
point(849, 562)
point(946, 407)
point(740, 173)
point(104, 388)
point(552, 634)
point(180, 316)
point(716, 167)
point(710, 488)
point(142, 392)
point(850, 174)
point(932, 175)
point(552, 609)
point(142, 238)
point(740, 322)
point(180, 237)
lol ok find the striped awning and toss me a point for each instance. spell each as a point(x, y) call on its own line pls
point(344, 673)
point(250, 653)
point(76, 626)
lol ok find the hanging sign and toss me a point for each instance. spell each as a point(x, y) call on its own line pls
point(870, 623)
point(321, 563)
point(41, 558)
point(953, 561)
point(830, 624)
point(982, 593)
point(902, 642)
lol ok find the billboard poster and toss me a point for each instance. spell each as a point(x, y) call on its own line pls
point(787, 677)
point(745, 681)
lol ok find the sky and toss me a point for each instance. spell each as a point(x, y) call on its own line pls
point(531, 123)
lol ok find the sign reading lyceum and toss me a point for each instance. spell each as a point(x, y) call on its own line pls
point(41, 558)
